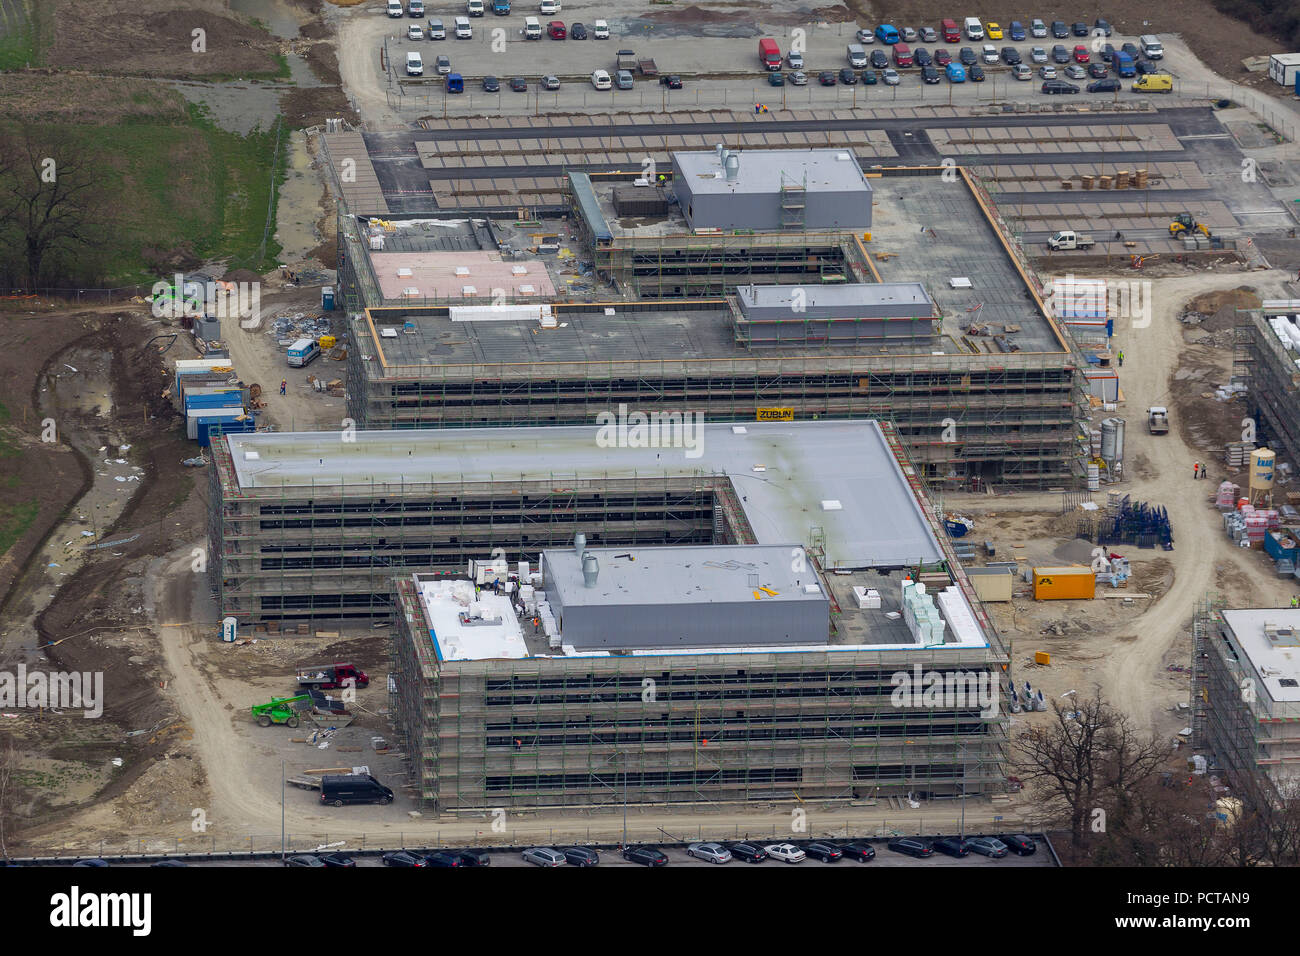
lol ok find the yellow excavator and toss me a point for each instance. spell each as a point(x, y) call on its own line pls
point(1184, 223)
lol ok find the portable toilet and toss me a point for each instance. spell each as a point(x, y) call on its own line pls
point(327, 298)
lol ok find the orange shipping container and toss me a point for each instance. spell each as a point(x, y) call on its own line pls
point(1061, 584)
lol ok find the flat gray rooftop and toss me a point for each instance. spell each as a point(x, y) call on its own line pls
point(1272, 662)
point(782, 474)
point(804, 301)
point(767, 170)
point(690, 574)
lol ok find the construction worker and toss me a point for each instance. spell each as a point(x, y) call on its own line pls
point(1295, 601)
point(536, 621)
point(1121, 358)
point(1196, 469)
point(283, 385)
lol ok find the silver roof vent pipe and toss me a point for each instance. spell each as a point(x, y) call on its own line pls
point(590, 570)
point(733, 167)
point(579, 544)
point(722, 153)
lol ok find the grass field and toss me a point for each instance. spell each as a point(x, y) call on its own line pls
point(25, 33)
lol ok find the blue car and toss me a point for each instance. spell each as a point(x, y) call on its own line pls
point(956, 73)
point(1017, 30)
point(887, 34)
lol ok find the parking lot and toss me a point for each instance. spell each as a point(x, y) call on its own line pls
point(716, 71)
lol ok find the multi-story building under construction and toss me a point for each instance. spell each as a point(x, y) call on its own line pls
point(1266, 362)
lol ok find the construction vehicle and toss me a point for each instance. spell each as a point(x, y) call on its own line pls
point(330, 676)
point(279, 711)
point(1069, 239)
point(1184, 223)
point(1157, 420)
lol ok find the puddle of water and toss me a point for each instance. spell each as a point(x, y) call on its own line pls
point(299, 205)
point(279, 17)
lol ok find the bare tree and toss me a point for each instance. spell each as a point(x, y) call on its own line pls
point(51, 197)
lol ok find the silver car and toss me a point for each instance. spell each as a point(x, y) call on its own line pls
point(866, 35)
point(988, 846)
point(1037, 29)
point(891, 77)
point(709, 852)
point(543, 856)
point(797, 78)
point(1038, 55)
point(550, 82)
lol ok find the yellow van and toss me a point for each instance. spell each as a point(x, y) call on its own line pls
point(1154, 83)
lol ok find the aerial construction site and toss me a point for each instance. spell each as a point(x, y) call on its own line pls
point(695, 469)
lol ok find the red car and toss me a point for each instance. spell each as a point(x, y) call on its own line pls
point(902, 55)
point(1081, 54)
point(557, 30)
point(942, 57)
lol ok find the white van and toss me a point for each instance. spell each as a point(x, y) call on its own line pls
point(974, 29)
point(414, 65)
point(857, 55)
point(600, 30)
point(1150, 47)
point(600, 80)
point(463, 30)
point(532, 28)
point(395, 8)
point(436, 30)
point(474, 8)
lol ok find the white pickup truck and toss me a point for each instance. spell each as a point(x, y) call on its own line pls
point(1069, 239)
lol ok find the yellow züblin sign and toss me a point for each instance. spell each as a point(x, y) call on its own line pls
point(776, 414)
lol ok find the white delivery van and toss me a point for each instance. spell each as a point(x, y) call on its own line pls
point(463, 30)
point(414, 65)
point(474, 8)
point(600, 80)
point(1150, 46)
point(857, 55)
point(303, 351)
point(436, 30)
point(600, 30)
point(395, 8)
point(532, 28)
point(974, 29)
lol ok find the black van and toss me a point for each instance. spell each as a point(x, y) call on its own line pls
point(338, 789)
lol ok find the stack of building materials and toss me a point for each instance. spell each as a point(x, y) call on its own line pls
point(212, 398)
point(1137, 523)
point(1281, 547)
point(867, 598)
point(922, 617)
point(1225, 499)
point(1238, 453)
point(1116, 573)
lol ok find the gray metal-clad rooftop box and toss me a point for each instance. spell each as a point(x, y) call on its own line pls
point(775, 315)
point(709, 596)
point(772, 190)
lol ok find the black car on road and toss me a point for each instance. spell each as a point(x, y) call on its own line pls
point(580, 856)
point(826, 78)
point(826, 852)
point(910, 847)
point(577, 32)
point(1104, 86)
point(491, 84)
point(1060, 30)
point(862, 852)
point(879, 59)
point(848, 77)
point(967, 56)
point(645, 855)
point(402, 858)
point(1019, 843)
point(1057, 87)
point(748, 852)
point(951, 846)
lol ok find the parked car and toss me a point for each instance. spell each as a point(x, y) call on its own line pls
point(798, 78)
point(1010, 55)
point(600, 30)
point(1037, 55)
point(929, 74)
point(1060, 30)
point(869, 77)
point(909, 35)
point(600, 80)
point(544, 856)
point(887, 34)
point(1037, 29)
point(989, 53)
point(1060, 54)
point(645, 855)
point(903, 55)
point(1102, 26)
point(94, 862)
point(794, 60)
point(1016, 31)
point(987, 846)
point(414, 64)
point(549, 7)
point(1059, 86)
point(879, 59)
point(1080, 29)
point(956, 73)
point(415, 32)
point(674, 82)
point(862, 852)
point(168, 863)
point(848, 77)
point(1146, 67)
point(866, 35)
point(910, 847)
point(556, 30)
point(826, 78)
point(580, 856)
point(518, 84)
point(550, 82)
point(1097, 70)
point(942, 57)
point(786, 852)
point(440, 859)
point(402, 858)
point(749, 852)
point(891, 77)
point(1019, 843)
point(491, 84)
point(967, 56)
point(1104, 86)
point(1075, 72)
point(775, 79)
point(1132, 50)
point(443, 65)
point(975, 74)
point(993, 30)
point(951, 846)
point(1022, 72)
point(1047, 72)
point(826, 852)
point(929, 35)
point(474, 857)
point(923, 57)
point(1081, 54)
point(709, 852)
point(1108, 53)
point(577, 31)
point(303, 859)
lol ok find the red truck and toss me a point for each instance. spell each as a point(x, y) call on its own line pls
point(769, 54)
point(330, 676)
